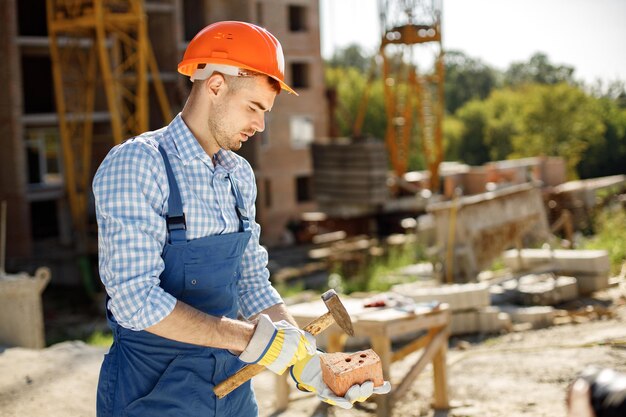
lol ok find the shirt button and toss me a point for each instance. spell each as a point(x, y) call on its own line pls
point(193, 282)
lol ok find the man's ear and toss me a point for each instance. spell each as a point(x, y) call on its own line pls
point(216, 84)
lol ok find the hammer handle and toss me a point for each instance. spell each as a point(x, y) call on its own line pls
point(247, 372)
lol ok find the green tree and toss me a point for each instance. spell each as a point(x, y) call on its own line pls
point(472, 148)
point(538, 70)
point(557, 120)
point(351, 56)
point(350, 84)
point(466, 79)
point(552, 120)
point(453, 129)
point(608, 155)
point(504, 122)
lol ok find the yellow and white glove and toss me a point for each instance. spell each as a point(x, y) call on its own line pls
point(308, 376)
point(277, 345)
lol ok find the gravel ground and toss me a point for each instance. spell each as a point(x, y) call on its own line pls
point(517, 374)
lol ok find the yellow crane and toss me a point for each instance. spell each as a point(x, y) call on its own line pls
point(414, 99)
point(108, 37)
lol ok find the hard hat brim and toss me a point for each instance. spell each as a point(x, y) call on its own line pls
point(186, 69)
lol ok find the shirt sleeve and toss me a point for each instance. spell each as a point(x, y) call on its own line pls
point(131, 234)
point(255, 289)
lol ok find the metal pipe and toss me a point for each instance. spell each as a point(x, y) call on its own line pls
point(3, 236)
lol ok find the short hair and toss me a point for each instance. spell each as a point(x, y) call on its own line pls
point(236, 82)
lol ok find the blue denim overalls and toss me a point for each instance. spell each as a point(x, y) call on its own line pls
point(147, 375)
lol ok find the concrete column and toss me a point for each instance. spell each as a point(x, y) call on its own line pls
point(12, 154)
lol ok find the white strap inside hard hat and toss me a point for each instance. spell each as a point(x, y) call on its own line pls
point(209, 69)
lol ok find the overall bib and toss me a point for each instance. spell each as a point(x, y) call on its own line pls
point(147, 375)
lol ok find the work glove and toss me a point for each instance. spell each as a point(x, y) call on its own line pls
point(277, 345)
point(308, 376)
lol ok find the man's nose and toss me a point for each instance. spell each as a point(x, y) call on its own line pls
point(259, 123)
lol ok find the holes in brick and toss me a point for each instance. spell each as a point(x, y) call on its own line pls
point(363, 355)
point(348, 359)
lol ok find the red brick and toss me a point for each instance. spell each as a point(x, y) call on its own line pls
point(342, 370)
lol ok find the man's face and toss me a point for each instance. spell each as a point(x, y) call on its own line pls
point(238, 114)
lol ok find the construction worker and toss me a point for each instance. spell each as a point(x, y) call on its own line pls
point(179, 247)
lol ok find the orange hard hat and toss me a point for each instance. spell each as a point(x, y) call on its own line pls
point(236, 44)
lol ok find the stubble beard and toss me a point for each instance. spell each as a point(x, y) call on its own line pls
point(224, 139)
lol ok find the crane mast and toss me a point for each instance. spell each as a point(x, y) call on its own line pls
point(88, 37)
point(413, 75)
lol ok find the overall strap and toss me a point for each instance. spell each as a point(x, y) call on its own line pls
point(175, 218)
point(240, 207)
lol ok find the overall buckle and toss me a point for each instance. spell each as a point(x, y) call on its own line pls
point(176, 222)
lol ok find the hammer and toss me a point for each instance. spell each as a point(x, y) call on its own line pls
point(336, 313)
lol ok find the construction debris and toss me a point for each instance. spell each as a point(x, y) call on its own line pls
point(534, 317)
point(515, 302)
point(484, 320)
point(458, 296)
point(546, 289)
point(580, 197)
point(565, 260)
point(473, 231)
point(469, 303)
point(590, 267)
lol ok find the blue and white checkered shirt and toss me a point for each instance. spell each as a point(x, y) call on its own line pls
point(131, 192)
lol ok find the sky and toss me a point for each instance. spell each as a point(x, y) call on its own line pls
point(589, 35)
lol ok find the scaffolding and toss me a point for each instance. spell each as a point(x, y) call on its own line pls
point(109, 37)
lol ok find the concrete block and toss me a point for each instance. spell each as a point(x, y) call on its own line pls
point(464, 322)
point(588, 283)
point(484, 320)
point(565, 261)
point(457, 296)
point(341, 370)
point(545, 289)
point(566, 288)
point(503, 293)
point(492, 320)
point(536, 316)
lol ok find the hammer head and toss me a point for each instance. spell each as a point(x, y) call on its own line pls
point(338, 311)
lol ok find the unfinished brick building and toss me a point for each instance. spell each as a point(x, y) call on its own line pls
point(31, 163)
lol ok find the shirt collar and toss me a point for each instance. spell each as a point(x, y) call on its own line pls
point(189, 149)
point(227, 160)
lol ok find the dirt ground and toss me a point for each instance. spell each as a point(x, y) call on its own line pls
point(521, 373)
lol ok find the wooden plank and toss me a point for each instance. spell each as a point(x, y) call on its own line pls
point(282, 391)
point(382, 346)
point(349, 189)
point(287, 273)
point(393, 323)
point(329, 238)
point(428, 355)
point(413, 346)
point(364, 189)
point(347, 172)
point(362, 198)
point(440, 377)
point(332, 181)
point(336, 341)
